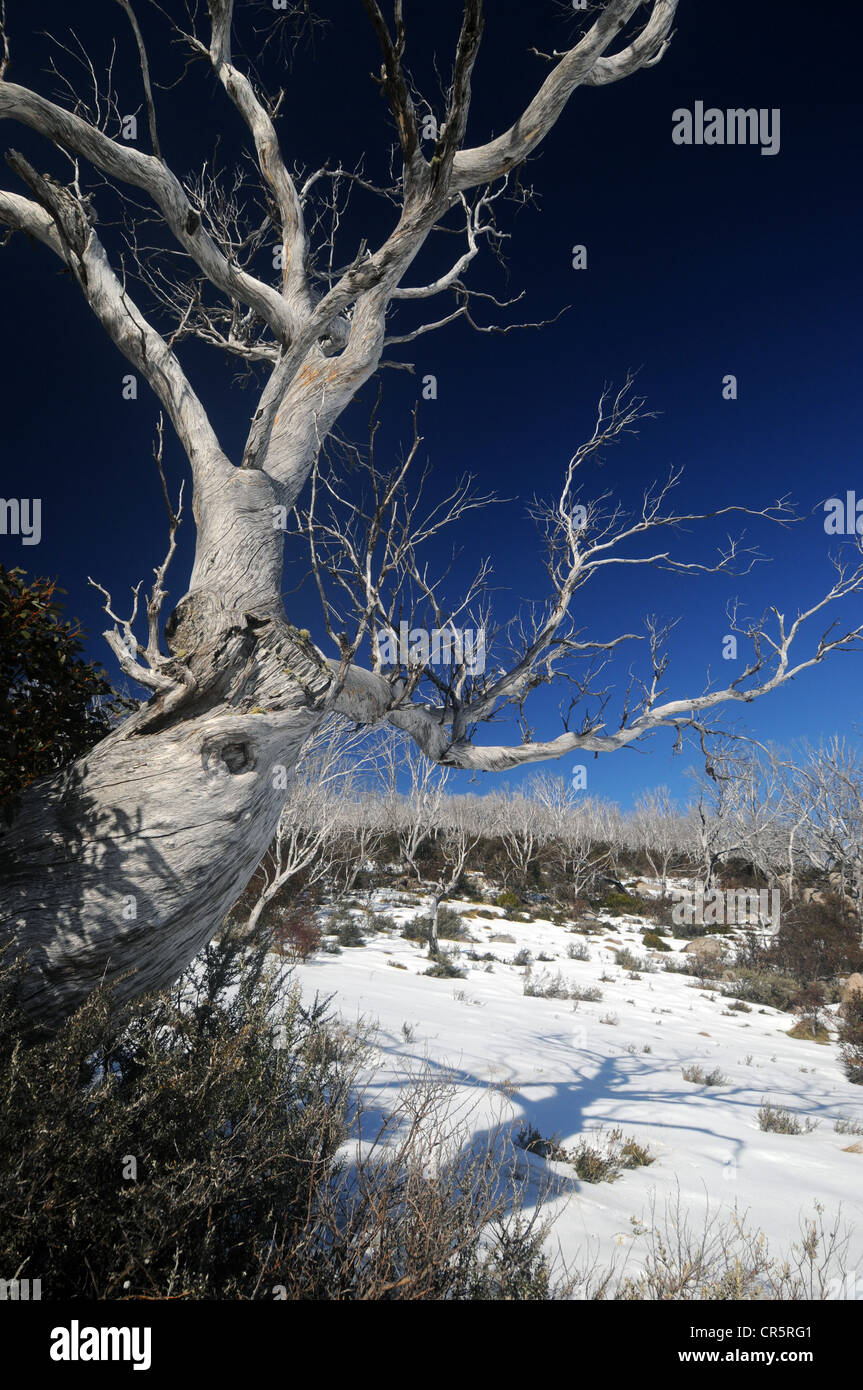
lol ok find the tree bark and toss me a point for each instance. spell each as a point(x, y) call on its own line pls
point(119, 869)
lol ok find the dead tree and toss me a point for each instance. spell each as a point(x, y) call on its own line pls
point(119, 869)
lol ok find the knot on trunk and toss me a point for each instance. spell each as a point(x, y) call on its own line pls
point(196, 620)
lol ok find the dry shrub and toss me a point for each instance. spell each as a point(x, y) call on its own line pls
point(725, 1258)
point(296, 934)
point(816, 941)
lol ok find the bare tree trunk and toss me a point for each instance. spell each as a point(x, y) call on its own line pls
point(437, 898)
point(118, 870)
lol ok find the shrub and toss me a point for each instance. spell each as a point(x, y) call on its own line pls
point(295, 932)
point(54, 705)
point(622, 904)
point(844, 1125)
point(776, 1119)
point(700, 1077)
point(605, 1160)
point(816, 941)
point(764, 987)
point(723, 1258)
point(602, 1158)
point(586, 994)
point(578, 950)
point(523, 957)
point(654, 942)
point(810, 999)
point(450, 926)
point(445, 967)
point(531, 1140)
point(679, 964)
point(234, 1100)
point(628, 960)
point(851, 1038)
point(508, 899)
point(546, 986)
point(231, 1100)
point(347, 931)
point(810, 1028)
point(379, 922)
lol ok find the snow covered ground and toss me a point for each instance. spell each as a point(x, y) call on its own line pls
point(570, 1068)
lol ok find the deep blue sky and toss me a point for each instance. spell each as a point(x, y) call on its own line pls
point(702, 262)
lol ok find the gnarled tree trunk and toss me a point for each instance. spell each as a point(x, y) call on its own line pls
point(119, 869)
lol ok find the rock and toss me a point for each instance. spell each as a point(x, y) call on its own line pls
point(853, 985)
point(704, 946)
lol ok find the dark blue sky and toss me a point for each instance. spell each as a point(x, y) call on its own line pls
point(702, 261)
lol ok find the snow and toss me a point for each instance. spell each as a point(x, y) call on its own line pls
point(569, 1069)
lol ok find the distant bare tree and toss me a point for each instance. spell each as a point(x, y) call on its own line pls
point(456, 839)
point(659, 833)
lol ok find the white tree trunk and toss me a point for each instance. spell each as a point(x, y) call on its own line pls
point(119, 869)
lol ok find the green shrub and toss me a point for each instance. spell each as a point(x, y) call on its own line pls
point(54, 704)
point(605, 1160)
point(348, 931)
point(445, 967)
point(450, 926)
point(622, 905)
point(379, 922)
point(508, 899)
point(531, 1140)
point(598, 1159)
point(654, 942)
